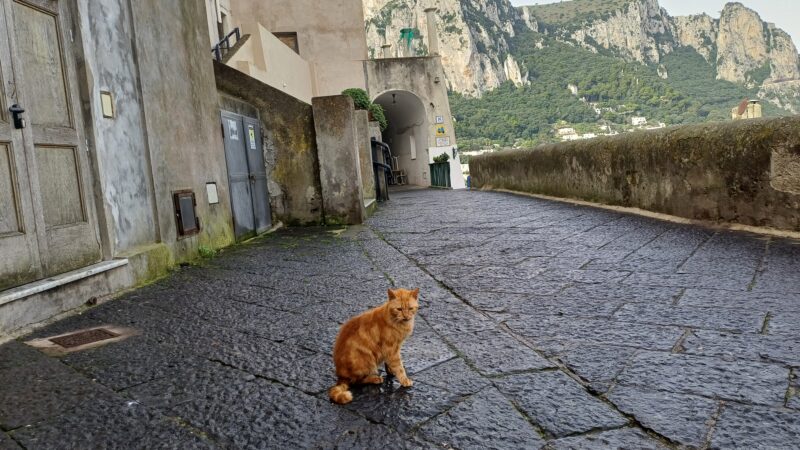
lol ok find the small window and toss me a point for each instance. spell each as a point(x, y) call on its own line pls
point(185, 213)
point(290, 39)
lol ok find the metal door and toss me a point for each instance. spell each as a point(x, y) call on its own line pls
point(247, 175)
point(258, 176)
point(47, 223)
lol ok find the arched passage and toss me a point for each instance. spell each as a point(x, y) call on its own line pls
point(407, 134)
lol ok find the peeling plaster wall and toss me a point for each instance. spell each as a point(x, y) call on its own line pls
point(744, 172)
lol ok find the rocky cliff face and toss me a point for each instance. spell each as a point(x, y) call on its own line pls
point(699, 32)
point(474, 38)
point(746, 44)
point(743, 47)
point(639, 32)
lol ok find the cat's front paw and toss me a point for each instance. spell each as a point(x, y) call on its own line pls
point(406, 382)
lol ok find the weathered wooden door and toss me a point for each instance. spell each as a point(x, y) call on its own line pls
point(47, 223)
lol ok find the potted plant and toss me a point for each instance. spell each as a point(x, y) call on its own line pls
point(362, 102)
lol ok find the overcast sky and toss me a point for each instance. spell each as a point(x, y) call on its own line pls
point(784, 13)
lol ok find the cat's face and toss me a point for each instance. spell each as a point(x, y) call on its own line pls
point(403, 304)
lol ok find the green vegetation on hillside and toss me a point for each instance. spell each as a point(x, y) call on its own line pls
point(575, 11)
point(526, 115)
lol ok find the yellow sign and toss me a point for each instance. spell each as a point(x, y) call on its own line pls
point(440, 131)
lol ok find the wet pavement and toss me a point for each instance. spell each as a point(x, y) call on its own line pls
point(542, 325)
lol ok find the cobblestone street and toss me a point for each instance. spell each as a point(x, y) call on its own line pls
point(542, 325)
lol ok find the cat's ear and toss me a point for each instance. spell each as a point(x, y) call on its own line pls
point(415, 292)
point(391, 293)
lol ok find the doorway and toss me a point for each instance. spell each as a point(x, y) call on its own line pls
point(47, 218)
point(247, 175)
point(407, 136)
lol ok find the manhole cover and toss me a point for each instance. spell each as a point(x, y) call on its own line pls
point(83, 338)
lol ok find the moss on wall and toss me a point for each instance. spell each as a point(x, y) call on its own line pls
point(290, 149)
point(719, 172)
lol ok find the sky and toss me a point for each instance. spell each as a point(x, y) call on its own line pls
point(784, 13)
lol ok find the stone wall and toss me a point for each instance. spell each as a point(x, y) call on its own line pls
point(339, 165)
point(747, 172)
point(363, 135)
point(290, 148)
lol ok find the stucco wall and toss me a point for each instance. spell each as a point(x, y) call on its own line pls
point(745, 172)
point(266, 58)
point(290, 148)
point(182, 117)
point(122, 157)
point(330, 36)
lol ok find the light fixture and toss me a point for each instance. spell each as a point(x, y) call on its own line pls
point(437, 80)
point(394, 99)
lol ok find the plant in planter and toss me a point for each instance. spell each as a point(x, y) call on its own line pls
point(443, 158)
point(362, 102)
point(377, 114)
point(359, 96)
point(440, 171)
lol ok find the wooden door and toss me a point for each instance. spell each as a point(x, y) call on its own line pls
point(53, 152)
point(19, 250)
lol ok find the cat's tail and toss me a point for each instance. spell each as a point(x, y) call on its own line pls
point(341, 393)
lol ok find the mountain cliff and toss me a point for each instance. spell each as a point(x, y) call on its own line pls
point(518, 74)
point(476, 37)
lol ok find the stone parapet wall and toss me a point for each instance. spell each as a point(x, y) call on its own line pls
point(745, 172)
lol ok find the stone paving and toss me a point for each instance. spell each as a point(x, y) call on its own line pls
point(542, 325)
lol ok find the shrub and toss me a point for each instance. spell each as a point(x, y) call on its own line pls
point(376, 111)
point(359, 96)
point(443, 158)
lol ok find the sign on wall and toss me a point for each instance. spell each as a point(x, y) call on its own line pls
point(442, 141)
point(439, 119)
point(233, 127)
point(441, 131)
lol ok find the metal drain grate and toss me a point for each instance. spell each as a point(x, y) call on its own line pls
point(83, 338)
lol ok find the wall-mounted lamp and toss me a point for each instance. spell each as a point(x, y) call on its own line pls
point(437, 80)
point(394, 99)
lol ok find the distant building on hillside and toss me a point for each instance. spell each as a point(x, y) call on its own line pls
point(638, 121)
point(747, 109)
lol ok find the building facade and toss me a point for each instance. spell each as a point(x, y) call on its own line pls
point(126, 149)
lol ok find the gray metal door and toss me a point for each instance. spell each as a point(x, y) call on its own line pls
point(247, 175)
point(258, 175)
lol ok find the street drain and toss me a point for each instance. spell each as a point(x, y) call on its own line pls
point(80, 340)
point(83, 338)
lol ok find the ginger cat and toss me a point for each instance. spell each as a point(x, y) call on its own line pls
point(370, 339)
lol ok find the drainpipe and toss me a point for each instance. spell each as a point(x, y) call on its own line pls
point(433, 33)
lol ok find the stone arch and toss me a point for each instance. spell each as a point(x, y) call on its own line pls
point(408, 133)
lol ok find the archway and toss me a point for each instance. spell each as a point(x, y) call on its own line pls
point(407, 134)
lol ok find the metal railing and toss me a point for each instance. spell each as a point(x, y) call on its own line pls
point(225, 45)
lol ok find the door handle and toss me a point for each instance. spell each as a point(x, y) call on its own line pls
point(16, 114)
